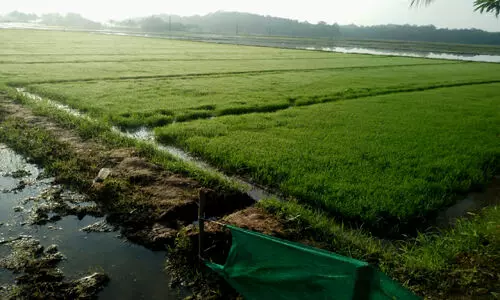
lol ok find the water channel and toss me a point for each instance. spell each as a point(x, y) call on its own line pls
point(135, 272)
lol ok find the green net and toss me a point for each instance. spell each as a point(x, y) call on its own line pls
point(264, 267)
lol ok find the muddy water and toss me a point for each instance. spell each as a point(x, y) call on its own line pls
point(135, 272)
point(433, 55)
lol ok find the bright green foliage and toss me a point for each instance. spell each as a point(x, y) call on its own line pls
point(49, 46)
point(385, 160)
point(157, 102)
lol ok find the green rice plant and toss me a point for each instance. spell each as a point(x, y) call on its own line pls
point(388, 161)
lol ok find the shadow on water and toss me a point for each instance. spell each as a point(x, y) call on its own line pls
point(471, 204)
point(135, 272)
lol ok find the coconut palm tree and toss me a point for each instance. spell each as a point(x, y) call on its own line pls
point(489, 6)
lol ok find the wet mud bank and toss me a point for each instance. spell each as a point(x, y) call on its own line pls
point(471, 204)
point(38, 275)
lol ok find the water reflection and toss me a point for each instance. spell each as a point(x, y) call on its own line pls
point(434, 55)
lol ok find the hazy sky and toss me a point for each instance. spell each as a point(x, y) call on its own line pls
point(443, 13)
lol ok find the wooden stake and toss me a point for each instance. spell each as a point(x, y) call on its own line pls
point(201, 221)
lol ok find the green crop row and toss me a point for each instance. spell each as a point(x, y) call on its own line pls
point(155, 102)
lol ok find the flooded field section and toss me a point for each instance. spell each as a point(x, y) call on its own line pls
point(51, 233)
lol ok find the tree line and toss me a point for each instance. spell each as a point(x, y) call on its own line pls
point(53, 19)
point(236, 23)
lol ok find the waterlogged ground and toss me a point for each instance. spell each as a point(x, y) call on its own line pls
point(135, 272)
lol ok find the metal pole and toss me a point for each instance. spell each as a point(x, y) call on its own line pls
point(201, 221)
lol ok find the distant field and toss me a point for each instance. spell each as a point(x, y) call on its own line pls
point(26, 73)
point(387, 141)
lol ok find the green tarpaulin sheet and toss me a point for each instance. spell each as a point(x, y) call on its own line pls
point(263, 267)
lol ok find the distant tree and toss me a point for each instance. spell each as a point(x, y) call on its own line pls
point(17, 16)
point(427, 33)
point(70, 20)
point(488, 6)
point(128, 23)
point(154, 24)
point(252, 24)
point(158, 24)
point(53, 19)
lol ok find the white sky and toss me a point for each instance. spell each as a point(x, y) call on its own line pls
point(443, 13)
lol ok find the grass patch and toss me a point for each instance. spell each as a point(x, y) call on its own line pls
point(32, 73)
point(385, 161)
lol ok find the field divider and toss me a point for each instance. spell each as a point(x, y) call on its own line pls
point(222, 74)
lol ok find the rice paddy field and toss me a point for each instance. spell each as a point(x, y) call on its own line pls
point(383, 143)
